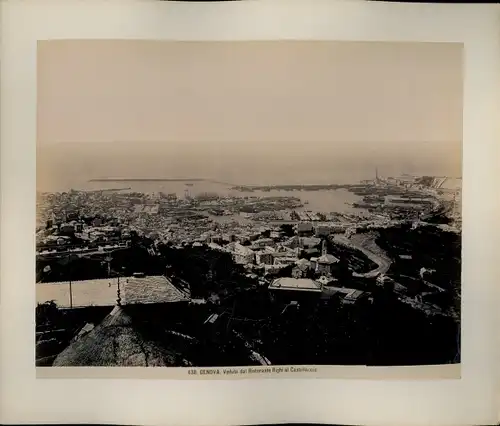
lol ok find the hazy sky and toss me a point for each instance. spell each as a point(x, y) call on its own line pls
point(221, 105)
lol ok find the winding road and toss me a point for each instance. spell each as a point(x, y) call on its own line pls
point(365, 243)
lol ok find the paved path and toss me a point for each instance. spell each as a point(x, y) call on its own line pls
point(370, 250)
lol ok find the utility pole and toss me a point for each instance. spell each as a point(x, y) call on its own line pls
point(70, 285)
point(108, 260)
point(228, 327)
point(118, 292)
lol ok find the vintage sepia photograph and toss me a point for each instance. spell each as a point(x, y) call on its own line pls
point(248, 203)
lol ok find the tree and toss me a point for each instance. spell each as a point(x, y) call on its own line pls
point(46, 313)
point(266, 233)
point(288, 229)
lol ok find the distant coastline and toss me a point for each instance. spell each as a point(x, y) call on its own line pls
point(233, 186)
point(150, 180)
point(240, 188)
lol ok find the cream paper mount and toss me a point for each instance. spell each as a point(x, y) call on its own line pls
point(30, 399)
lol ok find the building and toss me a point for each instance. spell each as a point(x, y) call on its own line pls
point(301, 290)
point(283, 251)
point(67, 229)
point(262, 243)
point(264, 257)
point(347, 296)
point(275, 235)
point(71, 215)
point(353, 297)
point(388, 284)
point(323, 230)
point(292, 243)
point(311, 252)
point(305, 229)
point(338, 228)
point(273, 269)
point(298, 273)
point(228, 238)
point(303, 265)
point(63, 240)
point(309, 242)
point(284, 260)
point(326, 264)
point(241, 254)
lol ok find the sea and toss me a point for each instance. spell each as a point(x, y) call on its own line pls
point(339, 200)
point(62, 167)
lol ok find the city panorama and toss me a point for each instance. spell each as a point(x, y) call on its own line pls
point(255, 276)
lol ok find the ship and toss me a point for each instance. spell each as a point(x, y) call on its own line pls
point(362, 205)
point(374, 199)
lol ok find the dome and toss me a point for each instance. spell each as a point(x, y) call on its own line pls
point(328, 259)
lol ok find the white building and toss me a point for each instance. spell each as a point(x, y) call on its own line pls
point(241, 254)
point(264, 257)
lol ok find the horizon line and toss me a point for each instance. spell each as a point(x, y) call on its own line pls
point(252, 140)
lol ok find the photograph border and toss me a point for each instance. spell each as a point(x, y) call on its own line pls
point(414, 371)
